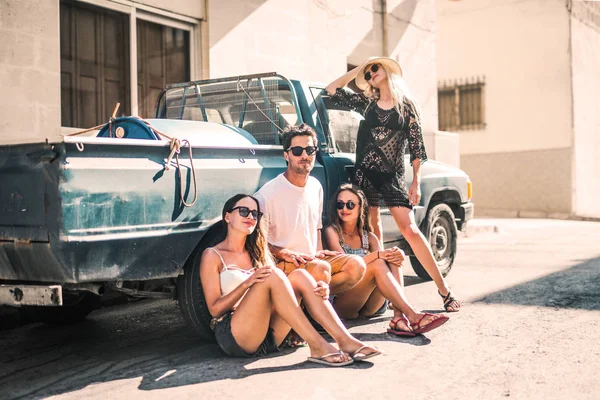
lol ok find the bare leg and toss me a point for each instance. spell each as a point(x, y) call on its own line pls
point(251, 319)
point(322, 311)
point(320, 270)
point(406, 223)
point(351, 273)
point(376, 223)
point(378, 275)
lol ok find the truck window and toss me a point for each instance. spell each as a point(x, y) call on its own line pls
point(262, 107)
point(342, 123)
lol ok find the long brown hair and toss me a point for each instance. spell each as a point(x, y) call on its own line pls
point(363, 222)
point(256, 243)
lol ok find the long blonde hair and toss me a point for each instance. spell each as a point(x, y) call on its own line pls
point(400, 93)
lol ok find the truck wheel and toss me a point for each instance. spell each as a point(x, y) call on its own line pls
point(74, 309)
point(440, 230)
point(191, 297)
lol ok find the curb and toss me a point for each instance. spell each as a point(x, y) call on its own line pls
point(475, 227)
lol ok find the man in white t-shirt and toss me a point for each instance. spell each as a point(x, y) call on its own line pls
point(292, 204)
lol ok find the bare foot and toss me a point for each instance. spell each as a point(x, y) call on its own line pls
point(327, 348)
point(400, 323)
point(450, 303)
point(354, 346)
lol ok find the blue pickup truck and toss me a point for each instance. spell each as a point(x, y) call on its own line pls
point(131, 206)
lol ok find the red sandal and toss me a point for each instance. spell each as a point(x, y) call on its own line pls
point(393, 329)
point(435, 323)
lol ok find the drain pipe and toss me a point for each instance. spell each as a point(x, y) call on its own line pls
point(384, 28)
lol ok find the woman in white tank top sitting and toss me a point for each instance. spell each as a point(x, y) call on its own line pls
point(254, 305)
point(350, 231)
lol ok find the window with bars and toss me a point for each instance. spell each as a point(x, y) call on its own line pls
point(461, 104)
point(95, 63)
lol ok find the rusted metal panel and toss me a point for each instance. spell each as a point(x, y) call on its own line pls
point(31, 295)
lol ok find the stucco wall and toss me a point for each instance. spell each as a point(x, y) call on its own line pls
point(29, 70)
point(516, 183)
point(522, 49)
point(314, 40)
point(188, 8)
point(585, 42)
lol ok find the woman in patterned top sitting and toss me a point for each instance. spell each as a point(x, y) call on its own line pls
point(254, 304)
point(391, 123)
point(350, 231)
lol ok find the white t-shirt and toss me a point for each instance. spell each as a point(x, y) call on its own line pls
point(292, 214)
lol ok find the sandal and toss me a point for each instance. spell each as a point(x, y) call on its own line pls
point(359, 356)
point(448, 299)
point(322, 360)
point(438, 321)
point(393, 329)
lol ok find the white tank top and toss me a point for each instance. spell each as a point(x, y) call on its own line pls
point(231, 276)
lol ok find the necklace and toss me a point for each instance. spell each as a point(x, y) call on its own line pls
point(384, 115)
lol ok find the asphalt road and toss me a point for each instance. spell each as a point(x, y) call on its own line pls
point(529, 329)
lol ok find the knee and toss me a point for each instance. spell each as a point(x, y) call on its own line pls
point(320, 270)
point(411, 232)
point(379, 266)
point(355, 268)
point(277, 275)
point(301, 277)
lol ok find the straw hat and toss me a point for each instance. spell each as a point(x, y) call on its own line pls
point(390, 64)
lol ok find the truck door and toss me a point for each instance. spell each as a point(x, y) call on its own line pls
point(341, 127)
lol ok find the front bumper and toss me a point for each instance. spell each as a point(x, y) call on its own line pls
point(468, 212)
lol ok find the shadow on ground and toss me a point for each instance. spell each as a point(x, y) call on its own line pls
point(577, 287)
point(163, 354)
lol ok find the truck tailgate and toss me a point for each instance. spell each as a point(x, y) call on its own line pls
point(22, 192)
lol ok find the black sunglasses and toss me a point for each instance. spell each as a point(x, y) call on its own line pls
point(297, 150)
point(245, 211)
point(374, 68)
point(349, 205)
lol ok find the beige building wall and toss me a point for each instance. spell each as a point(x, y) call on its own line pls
point(314, 41)
point(29, 70)
point(522, 161)
point(585, 43)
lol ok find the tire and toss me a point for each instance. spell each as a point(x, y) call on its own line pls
point(189, 291)
point(74, 309)
point(440, 231)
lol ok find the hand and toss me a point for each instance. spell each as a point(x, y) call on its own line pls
point(392, 255)
point(295, 257)
point(327, 253)
point(322, 290)
point(260, 275)
point(414, 193)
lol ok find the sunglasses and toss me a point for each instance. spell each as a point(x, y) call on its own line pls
point(374, 68)
point(349, 205)
point(245, 211)
point(297, 150)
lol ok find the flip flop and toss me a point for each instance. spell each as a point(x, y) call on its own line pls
point(436, 323)
point(358, 356)
point(400, 332)
point(321, 360)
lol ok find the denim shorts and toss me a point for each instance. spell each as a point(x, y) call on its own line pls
point(227, 342)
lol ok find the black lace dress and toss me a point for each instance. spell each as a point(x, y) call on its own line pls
point(380, 147)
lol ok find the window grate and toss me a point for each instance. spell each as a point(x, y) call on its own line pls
point(461, 104)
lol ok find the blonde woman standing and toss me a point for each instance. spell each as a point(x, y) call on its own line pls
point(392, 122)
